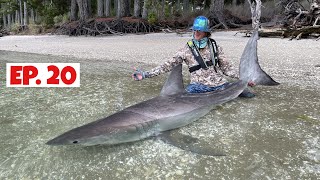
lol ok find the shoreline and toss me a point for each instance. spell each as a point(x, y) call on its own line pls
point(286, 61)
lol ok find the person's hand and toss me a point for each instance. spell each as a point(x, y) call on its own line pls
point(251, 83)
point(138, 74)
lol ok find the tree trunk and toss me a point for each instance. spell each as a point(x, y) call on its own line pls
point(73, 10)
point(36, 16)
point(107, 8)
point(9, 21)
point(32, 16)
point(255, 8)
point(163, 12)
point(83, 9)
point(170, 7)
point(89, 8)
point(137, 8)
point(115, 8)
point(21, 12)
point(4, 19)
point(126, 8)
point(100, 8)
point(120, 8)
point(17, 17)
point(178, 7)
point(216, 9)
point(145, 10)
point(186, 6)
point(25, 15)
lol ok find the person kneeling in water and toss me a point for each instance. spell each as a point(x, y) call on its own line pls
point(205, 59)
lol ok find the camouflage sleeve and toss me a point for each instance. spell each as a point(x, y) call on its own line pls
point(168, 65)
point(225, 65)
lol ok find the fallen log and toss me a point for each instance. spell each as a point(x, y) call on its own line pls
point(297, 33)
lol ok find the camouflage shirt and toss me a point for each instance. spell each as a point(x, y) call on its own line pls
point(213, 76)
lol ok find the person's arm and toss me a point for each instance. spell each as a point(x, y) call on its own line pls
point(225, 65)
point(165, 67)
point(227, 68)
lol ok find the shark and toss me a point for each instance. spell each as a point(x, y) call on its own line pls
point(172, 109)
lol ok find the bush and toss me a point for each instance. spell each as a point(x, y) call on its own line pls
point(50, 12)
point(35, 29)
point(58, 20)
point(15, 28)
point(152, 18)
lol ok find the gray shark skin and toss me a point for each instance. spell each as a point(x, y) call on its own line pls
point(174, 108)
point(250, 69)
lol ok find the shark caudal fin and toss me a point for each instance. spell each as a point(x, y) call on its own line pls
point(250, 69)
point(174, 83)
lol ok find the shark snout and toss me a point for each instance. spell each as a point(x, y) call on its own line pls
point(59, 141)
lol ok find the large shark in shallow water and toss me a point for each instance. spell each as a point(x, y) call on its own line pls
point(173, 108)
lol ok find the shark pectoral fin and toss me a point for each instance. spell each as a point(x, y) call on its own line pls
point(188, 143)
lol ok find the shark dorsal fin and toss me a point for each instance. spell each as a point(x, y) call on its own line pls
point(174, 83)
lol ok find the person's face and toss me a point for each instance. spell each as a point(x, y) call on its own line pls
point(199, 35)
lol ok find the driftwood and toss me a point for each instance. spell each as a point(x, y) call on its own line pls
point(297, 33)
point(3, 32)
point(106, 26)
point(296, 15)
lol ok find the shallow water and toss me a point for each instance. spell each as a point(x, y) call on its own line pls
point(272, 136)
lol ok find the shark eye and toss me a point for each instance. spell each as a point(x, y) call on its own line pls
point(75, 142)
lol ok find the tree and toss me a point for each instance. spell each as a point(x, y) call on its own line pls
point(137, 8)
point(89, 2)
point(163, 4)
point(100, 8)
point(120, 8)
point(83, 9)
point(25, 15)
point(178, 6)
point(186, 6)
point(216, 11)
point(20, 12)
point(126, 4)
point(145, 10)
point(107, 8)
point(73, 10)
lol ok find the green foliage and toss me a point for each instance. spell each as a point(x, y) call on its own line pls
point(8, 6)
point(61, 19)
point(58, 19)
point(48, 16)
point(15, 28)
point(152, 18)
point(53, 13)
point(35, 29)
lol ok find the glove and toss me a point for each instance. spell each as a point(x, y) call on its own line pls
point(138, 75)
point(251, 83)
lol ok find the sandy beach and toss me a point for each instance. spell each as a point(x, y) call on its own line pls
point(281, 58)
